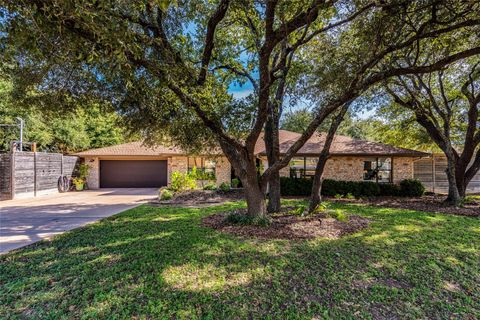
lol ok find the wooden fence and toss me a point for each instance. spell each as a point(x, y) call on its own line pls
point(5, 176)
point(432, 173)
point(25, 174)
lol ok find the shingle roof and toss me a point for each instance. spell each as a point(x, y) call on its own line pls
point(341, 145)
point(136, 148)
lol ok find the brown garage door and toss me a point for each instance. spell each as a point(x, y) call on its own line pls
point(133, 173)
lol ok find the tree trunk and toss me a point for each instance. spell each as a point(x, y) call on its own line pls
point(316, 196)
point(461, 185)
point(274, 193)
point(255, 196)
point(243, 163)
point(271, 137)
point(272, 147)
point(454, 197)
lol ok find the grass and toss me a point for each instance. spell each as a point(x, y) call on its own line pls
point(160, 263)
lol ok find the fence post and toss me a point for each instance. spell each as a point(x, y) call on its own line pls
point(34, 173)
point(12, 174)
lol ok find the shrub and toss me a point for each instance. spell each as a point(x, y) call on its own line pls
point(210, 186)
point(339, 196)
point(83, 170)
point(224, 187)
point(389, 189)
point(238, 218)
point(321, 208)
point(165, 194)
point(295, 186)
point(235, 182)
point(338, 215)
point(411, 188)
point(350, 189)
point(471, 199)
point(298, 210)
point(202, 175)
point(183, 181)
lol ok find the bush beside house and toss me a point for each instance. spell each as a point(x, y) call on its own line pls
point(303, 187)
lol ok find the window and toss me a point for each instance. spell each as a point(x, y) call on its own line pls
point(378, 170)
point(203, 165)
point(310, 166)
point(302, 167)
point(194, 162)
point(297, 166)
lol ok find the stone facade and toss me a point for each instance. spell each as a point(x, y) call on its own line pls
point(403, 168)
point(179, 164)
point(346, 168)
point(350, 168)
point(93, 178)
point(223, 171)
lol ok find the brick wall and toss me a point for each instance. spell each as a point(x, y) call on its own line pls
point(179, 164)
point(93, 178)
point(223, 171)
point(222, 168)
point(350, 168)
point(402, 168)
point(344, 168)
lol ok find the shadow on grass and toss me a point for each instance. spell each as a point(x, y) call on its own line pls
point(160, 263)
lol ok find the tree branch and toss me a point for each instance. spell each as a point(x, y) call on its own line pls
point(213, 22)
point(354, 90)
point(239, 72)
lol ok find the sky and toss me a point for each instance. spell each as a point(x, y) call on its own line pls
point(242, 91)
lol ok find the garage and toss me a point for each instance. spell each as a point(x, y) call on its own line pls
point(133, 173)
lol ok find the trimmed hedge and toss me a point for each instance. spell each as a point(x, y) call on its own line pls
point(295, 186)
point(411, 188)
point(303, 187)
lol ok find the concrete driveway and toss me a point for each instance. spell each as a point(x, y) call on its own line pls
point(25, 221)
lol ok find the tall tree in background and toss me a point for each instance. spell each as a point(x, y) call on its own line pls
point(447, 105)
point(86, 126)
point(143, 58)
point(392, 125)
point(351, 126)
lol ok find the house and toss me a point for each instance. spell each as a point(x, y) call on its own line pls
point(136, 165)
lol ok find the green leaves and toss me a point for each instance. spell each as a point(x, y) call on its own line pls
point(165, 4)
point(89, 125)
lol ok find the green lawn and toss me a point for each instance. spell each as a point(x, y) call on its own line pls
point(160, 263)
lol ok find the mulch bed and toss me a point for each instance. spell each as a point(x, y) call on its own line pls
point(428, 203)
point(195, 197)
point(288, 226)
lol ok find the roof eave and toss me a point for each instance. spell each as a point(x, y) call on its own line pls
point(358, 154)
